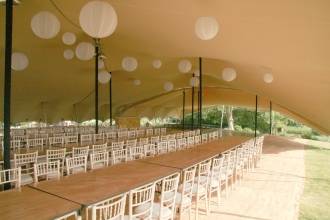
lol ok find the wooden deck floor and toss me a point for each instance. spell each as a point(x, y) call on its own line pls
point(270, 192)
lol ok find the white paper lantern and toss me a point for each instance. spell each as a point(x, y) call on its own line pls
point(196, 72)
point(19, 61)
point(157, 64)
point(194, 81)
point(268, 78)
point(137, 82)
point(69, 38)
point(168, 86)
point(98, 19)
point(104, 77)
point(85, 51)
point(101, 64)
point(228, 74)
point(184, 66)
point(45, 25)
point(206, 28)
point(68, 54)
point(129, 64)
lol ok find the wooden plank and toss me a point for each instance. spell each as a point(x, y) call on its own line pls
point(32, 204)
point(97, 185)
point(189, 157)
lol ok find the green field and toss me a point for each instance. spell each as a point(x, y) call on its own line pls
point(315, 202)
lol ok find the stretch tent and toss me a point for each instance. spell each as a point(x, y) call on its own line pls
point(289, 38)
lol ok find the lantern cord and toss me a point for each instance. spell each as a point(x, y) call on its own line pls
point(62, 13)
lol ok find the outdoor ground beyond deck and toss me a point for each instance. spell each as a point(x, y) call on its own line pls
point(272, 191)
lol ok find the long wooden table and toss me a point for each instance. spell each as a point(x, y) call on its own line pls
point(31, 204)
point(97, 185)
point(189, 157)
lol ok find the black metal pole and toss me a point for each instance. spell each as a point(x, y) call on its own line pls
point(183, 106)
point(7, 86)
point(96, 86)
point(110, 101)
point(200, 93)
point(270, 117)
point(256, 118)
point(192, 105)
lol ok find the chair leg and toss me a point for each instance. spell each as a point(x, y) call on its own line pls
point(218, 195)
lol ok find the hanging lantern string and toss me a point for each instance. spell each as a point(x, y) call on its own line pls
point(62, 13)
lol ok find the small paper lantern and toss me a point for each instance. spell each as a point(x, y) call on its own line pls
point(68, 54)
point(168, 86)
point(45, 25)
point(228, 74)
point(157, 64)
point(196, 72)
point(194, 81)
point(104, 77)
point(184, 66)
point(129, 64)
point(206, 28)
point(98, 19)
point(85, 51)
point(268, 78)
point(101, 64)
point(19, 61)
point(137, 82)
point(69, 38)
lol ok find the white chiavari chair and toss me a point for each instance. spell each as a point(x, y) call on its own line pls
point(214, 184)
point(171, 145)
point(157, 131)
point(179, 135)
point(149, 150)
point(154, 139)
point(231, 167)
point(118, 145)
point(99, 148)
point(99, 160)
point(15, 145)
point(86, 139)
point(118, 156)
point(140, 202)
point(76, 165)
point(35, 143)
point(136, 152)
point(56, 141)
point(163, 138)
point(239, 166)
point(140, 133)
point(204, 138)
point(143, 141)
point(162, 147)
point(131, 143)
point(98, 138)
point(11, 176)
point(112, 135)
point(26, 163)
point(71, 139)
point(50, 170)
point(163, 131)
point(56, 154)
point(149, 132)
point(131, 134)
point(186, 134)
point(181, 143)
point(190, 141)
point(72, 215)
point(197, 139)
point(80, 151)
point(110, 209)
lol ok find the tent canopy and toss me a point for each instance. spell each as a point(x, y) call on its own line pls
point(288, 38)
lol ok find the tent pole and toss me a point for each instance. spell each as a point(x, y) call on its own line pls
point(270, 117)
point(192, 105)
point(200, 93)
point(256, 118)
point(183, 106)
point(110, 101)
point(96, 86)
point(7, 86)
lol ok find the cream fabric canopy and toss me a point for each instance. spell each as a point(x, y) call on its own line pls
point(289, 38)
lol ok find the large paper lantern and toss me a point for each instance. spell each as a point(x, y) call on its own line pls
point(268, 78)
point(85, 51)
point(19, 61)
point(104, 77)
point(168, 86)
point(137, 82)
point(206, 28)
point(69, 38)
point(129, 64)
point(98, 19)
point(45, 25)
point(228, 74)
point(68, 54)
point(157, 64)
point(194, 81)
point(184, 66)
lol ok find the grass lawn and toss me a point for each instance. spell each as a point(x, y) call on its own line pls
point(315, 202)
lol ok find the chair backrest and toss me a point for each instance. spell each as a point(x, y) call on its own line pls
point(110, 209)
point(99, 148)
point(163, 138)
point(136, 152)
point(203, 174)
point(56, 141)
point(55, 154)
point(156, 131)
point(204, 138)
point(190, 141)
point(111, 135)
point(163, 131)
point(131, 134)
point(154, 139)
point(197, 139)
point(187, 186)
point(118, 156)
point(169, 188)
point(162, 147)
point(26, 161)
point(80, 151)
point(149, 132)
point(86, 139)
point(15, 145)
point(118, 145)
point(140, 133)
point(47, 170)
point(216, 168)
point(181, 143)
point(76, 165)
point(171, 145)
point(149, 150)
point(131, 143)
point(141, 197)
point(12, 176)
point(98, 137)
point(36, 142)
point(99, 159)
point(71, 139)
point(144, 141)
point(179, 135)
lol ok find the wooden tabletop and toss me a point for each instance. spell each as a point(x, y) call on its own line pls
point(189, 157)
point(32, 204)
point(97, 185)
